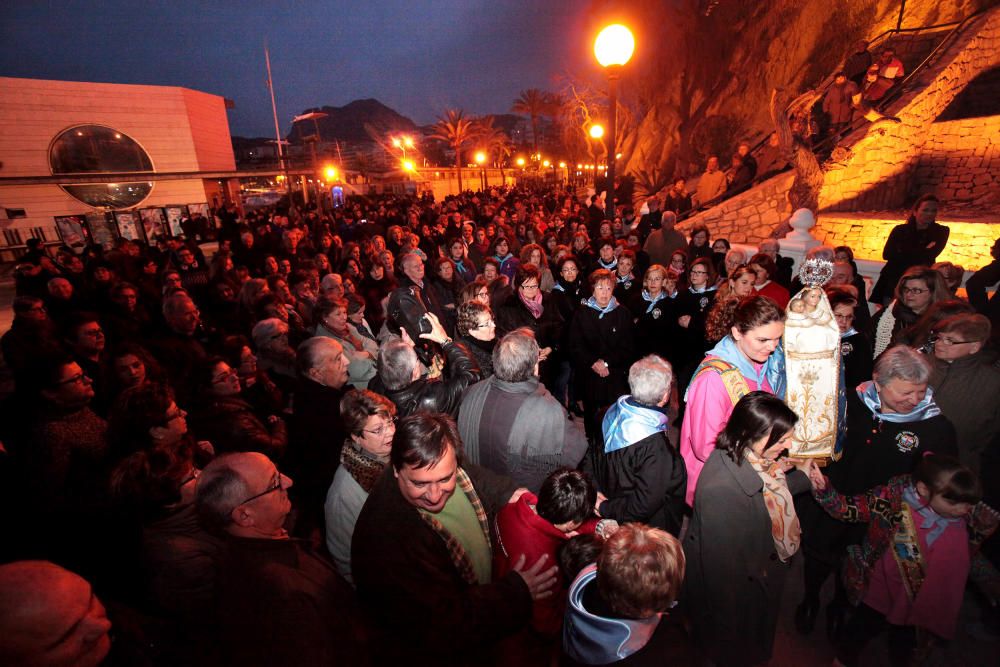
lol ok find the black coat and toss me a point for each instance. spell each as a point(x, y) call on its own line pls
point(734, 577)
point(644, 482)
point(442, 394)
point(908, 246)
point(418, 599)
point(611, 338)
point(230, 424)
point(315, 440)
point(513, 314)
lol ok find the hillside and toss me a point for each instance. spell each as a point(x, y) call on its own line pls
point(347, 123)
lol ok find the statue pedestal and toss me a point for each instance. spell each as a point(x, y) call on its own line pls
point(799, 241)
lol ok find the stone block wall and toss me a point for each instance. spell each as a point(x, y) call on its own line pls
point(878, 174)
point(748, 217)
point(960, 162)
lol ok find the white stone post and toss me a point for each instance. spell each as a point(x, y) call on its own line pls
point(797, 242)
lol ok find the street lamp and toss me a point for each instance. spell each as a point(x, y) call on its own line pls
point(402, 143)
point(613, 48)
point(520, 162)
point(481, 160)
point(596, 131)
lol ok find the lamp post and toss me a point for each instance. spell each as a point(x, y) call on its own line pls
point(613, 48)
point(481, 160)
point(403, 143)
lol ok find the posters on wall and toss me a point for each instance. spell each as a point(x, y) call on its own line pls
point(174, 216)
point(128, 227)
point(199, 208)
point(73, 230)
point(153, 224)
point(103, 230)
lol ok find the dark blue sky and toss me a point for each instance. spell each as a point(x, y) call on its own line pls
point(417, 56)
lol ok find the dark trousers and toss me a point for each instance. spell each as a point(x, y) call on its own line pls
point(865, 625)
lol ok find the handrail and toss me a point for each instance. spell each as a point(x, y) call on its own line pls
point(894, 94)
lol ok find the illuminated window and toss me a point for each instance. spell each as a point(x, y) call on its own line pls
point(95, 149)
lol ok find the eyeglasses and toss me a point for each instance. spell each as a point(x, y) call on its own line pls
point(947, 342)
point(224, 376)
point(388, 425)
point(527, 286)
point(914, 290)
point(80, 377)
point(697, 272)
point(487, 324)
point(275, 486)
point(93, 333)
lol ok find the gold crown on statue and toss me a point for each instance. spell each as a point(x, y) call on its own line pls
point(816, 272)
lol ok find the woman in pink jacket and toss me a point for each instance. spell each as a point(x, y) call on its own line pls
point(742, 362)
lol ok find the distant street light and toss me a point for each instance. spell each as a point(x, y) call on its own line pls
point(520, 162)
point(596, 131)
point(409, 166)
point(613, 48)
point(330, 173)
point(481, 160)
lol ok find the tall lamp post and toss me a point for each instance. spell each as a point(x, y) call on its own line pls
point(481, 160)
point(613, 48)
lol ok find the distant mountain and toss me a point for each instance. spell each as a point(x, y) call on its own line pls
point(347, 123)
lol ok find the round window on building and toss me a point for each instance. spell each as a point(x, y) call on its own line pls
point(89, 150)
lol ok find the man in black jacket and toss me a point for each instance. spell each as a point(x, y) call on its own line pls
point(399, 373)
point(637, 471)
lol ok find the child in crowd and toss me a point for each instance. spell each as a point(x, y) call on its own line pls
point(908, 577)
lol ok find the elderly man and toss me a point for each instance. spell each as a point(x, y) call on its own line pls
point(421, 554)
point(399, 372)
point(281, 603)
point(412, 267)
point(512, 425)
point(50, 617)
point(177, 349)
point(772, 248)
point(316, 431)
point(712, 183)
point(662, 243)
point(332, 286)
point(639, 472)
point(734, 259)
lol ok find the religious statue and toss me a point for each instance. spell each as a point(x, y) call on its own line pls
point(812, 364)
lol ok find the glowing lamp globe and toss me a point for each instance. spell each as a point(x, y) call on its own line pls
point(408, 165)
point(480, 157)
point(520, 162)
point(614, 45)
point(596, 131)
point(330, 173)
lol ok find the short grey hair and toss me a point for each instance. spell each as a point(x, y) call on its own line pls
point(768, 242)
point(736, 252)
point(221, 489)
point(515, 356)
point(312, 351)
point(901, 363)
point(172, 303)
point(649, 379)
point(396, 362)
point(265, 329)
point(668, 216)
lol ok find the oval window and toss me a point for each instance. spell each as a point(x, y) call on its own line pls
point(93, 150)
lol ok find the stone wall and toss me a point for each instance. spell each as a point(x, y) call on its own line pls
point(878, 174)
point(960, 162)
point(748, 217)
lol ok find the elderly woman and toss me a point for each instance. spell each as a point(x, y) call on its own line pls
point(765, 270)
point(655, 312)
point(601, 347)
point(966, 384)
point(693, 304)
point(742, 362)
point(916, 291)
point(221, 415)
point(635, 466)
point(361, 351)
point(370, 422)
point(477, 330)
point(743, 533)
point(891, 422)
point(855, 350)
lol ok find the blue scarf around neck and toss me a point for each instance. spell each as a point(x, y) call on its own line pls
point(773, 370)
point(592, 303)
point(652, 302)
point(848, 333)
point(931, 521)
point(627, 422)
point(925, 409)
point(610, 267)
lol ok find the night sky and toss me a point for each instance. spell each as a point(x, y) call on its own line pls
point(418, 57)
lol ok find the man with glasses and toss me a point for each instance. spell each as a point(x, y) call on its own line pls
point(422, 556)
point(177, 348)
point(84, 338)
point(280, 602)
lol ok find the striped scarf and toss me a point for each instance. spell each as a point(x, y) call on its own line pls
point(456, 551)
point(785, 528)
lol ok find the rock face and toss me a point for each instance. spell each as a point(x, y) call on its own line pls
point(347, 123)
point(690, 68)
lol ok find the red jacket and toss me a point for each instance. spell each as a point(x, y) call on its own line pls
point(521, 531)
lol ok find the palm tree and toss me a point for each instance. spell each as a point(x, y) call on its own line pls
point(495, 141)
point(458, 132)
point(535, 103)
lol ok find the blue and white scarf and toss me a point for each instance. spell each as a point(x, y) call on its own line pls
point(626, 423)
point(610, 267)
point(592, 303)
point(931, 521)
point(773, 370)
point(925, 409)
point(652, 301)
point(848, 333)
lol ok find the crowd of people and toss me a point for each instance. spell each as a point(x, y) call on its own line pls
point(404, 430)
